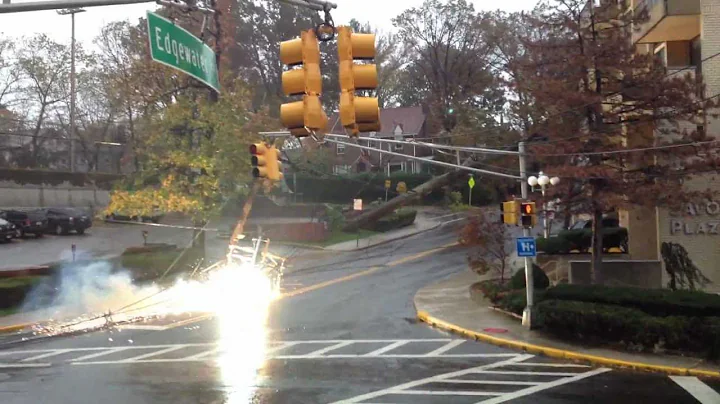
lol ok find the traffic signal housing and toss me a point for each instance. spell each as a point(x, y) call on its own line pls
point(528, 215)
point(303, 78)
point(357, 113)
point(511, 212)
point(266, 162)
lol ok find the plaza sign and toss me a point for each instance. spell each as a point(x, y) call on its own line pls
point(175, 47)
point(697, 227)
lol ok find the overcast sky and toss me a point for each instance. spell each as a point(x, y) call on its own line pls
point(88, 24)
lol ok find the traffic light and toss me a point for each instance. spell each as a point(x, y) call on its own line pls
point(266, 162)
point(528, 217)
point(511, 212)
point(357, 114)
point(302, 55)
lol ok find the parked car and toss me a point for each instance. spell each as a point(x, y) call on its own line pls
point(580, 235)
point(25, 222)
point(7, 231)
point(65, 220)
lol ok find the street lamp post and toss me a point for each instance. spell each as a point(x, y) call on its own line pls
point(543, 180)
point(72, 12)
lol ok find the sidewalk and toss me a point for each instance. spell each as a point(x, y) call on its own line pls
point(448, 305)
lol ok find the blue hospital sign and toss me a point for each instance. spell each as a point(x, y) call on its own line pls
point(526, 247)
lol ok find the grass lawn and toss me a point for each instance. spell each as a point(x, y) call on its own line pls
point(19, 281)
point(151, 265)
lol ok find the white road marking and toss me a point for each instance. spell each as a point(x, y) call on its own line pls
point(503, 382)
point(701, 391)
point(328, 349)
point(398, 389)
point(513, 372)
point(280, 347)
point(387, 348)
point(151, 354)
point(46, 355)
point(555, 365)
point(102, 353)
point(23, 365)
point(142, 327)
point(449, 393)
point(450, 345)
point(544, 386)
point(202, 355)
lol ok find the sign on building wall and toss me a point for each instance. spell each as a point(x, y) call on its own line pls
point(701, 218)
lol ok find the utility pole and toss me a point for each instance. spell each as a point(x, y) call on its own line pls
point(72, 12)
point(530, 288)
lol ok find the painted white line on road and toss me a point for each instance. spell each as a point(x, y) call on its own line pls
point(448, 393)
point(142, 327)
point(46, 355)
point(393, 356)
point(503, 382)
point(387, 348)
point(554, 365)
point(531, 390)
point(202, 355)
point(397, 389)
point(151, 354)
point(23, 365)
point(95, 355)
point(330, 348)
point(513, 372)
point(450, 345)
point(701, 391)
point(280, 347)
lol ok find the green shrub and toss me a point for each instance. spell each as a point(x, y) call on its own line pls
point(656, 302)
point(516, 300)
point(540, 279)
point(553, 245)
point(581, 239)
point(631, 327)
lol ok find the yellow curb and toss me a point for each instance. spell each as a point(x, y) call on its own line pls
point(15, 327)
point(562, 354)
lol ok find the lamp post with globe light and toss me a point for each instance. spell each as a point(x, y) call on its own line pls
point(543, 180)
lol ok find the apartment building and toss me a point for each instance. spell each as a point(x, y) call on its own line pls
point(683, 34)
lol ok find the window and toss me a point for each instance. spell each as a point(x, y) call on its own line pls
point(341, 169)
point(661, 54)
point(398, 146)
point(395, 167)
point(341, 149)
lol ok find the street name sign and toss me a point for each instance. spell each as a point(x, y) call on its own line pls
point(526, 247)
point(176, 47)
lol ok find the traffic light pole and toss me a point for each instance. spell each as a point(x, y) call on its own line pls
point(530, 287)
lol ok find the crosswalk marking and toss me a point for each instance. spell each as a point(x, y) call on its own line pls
point(450, 345)
point(387, 348)
point(701, 391)
point(328, 349)
point(46, 355)
point(154, 353)
point(101, 353)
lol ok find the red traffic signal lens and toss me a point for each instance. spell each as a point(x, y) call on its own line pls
point(253, 149)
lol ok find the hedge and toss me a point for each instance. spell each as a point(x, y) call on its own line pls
point(656, 302)
point(366, 186)
point(581, 239)
point(553, 245)
point(540, 279)
point(628, 326)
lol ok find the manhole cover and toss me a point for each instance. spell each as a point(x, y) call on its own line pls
point(495, 330)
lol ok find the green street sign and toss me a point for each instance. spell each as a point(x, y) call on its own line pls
point(471, 182)
point(175, 47)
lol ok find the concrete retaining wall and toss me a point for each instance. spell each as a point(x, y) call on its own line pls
point(35, 196)
point(642, 274)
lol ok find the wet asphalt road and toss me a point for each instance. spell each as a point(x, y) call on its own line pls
point(332, 337)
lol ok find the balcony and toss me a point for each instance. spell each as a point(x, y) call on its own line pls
point(669, 20)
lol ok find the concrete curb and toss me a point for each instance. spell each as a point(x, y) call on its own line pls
point(562, 354)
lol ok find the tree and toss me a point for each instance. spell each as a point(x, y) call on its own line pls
point(594, 93)
point(682, 271)
point(447, 62)
point(489, 240)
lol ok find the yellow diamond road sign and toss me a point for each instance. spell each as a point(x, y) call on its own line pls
point(471, 182)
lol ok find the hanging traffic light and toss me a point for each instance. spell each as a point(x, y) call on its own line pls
point(302, 56)
point(357, 114)
point(511, 212)
point(266, 162)
point(528, 216)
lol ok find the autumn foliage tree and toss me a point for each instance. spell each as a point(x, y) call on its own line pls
point(599, 99)
point(489, 242)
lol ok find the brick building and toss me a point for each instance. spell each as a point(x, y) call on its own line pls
point(396, 123)
point(683, 34)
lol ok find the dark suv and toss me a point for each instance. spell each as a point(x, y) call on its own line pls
point(25, 222)
point(65, 220)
